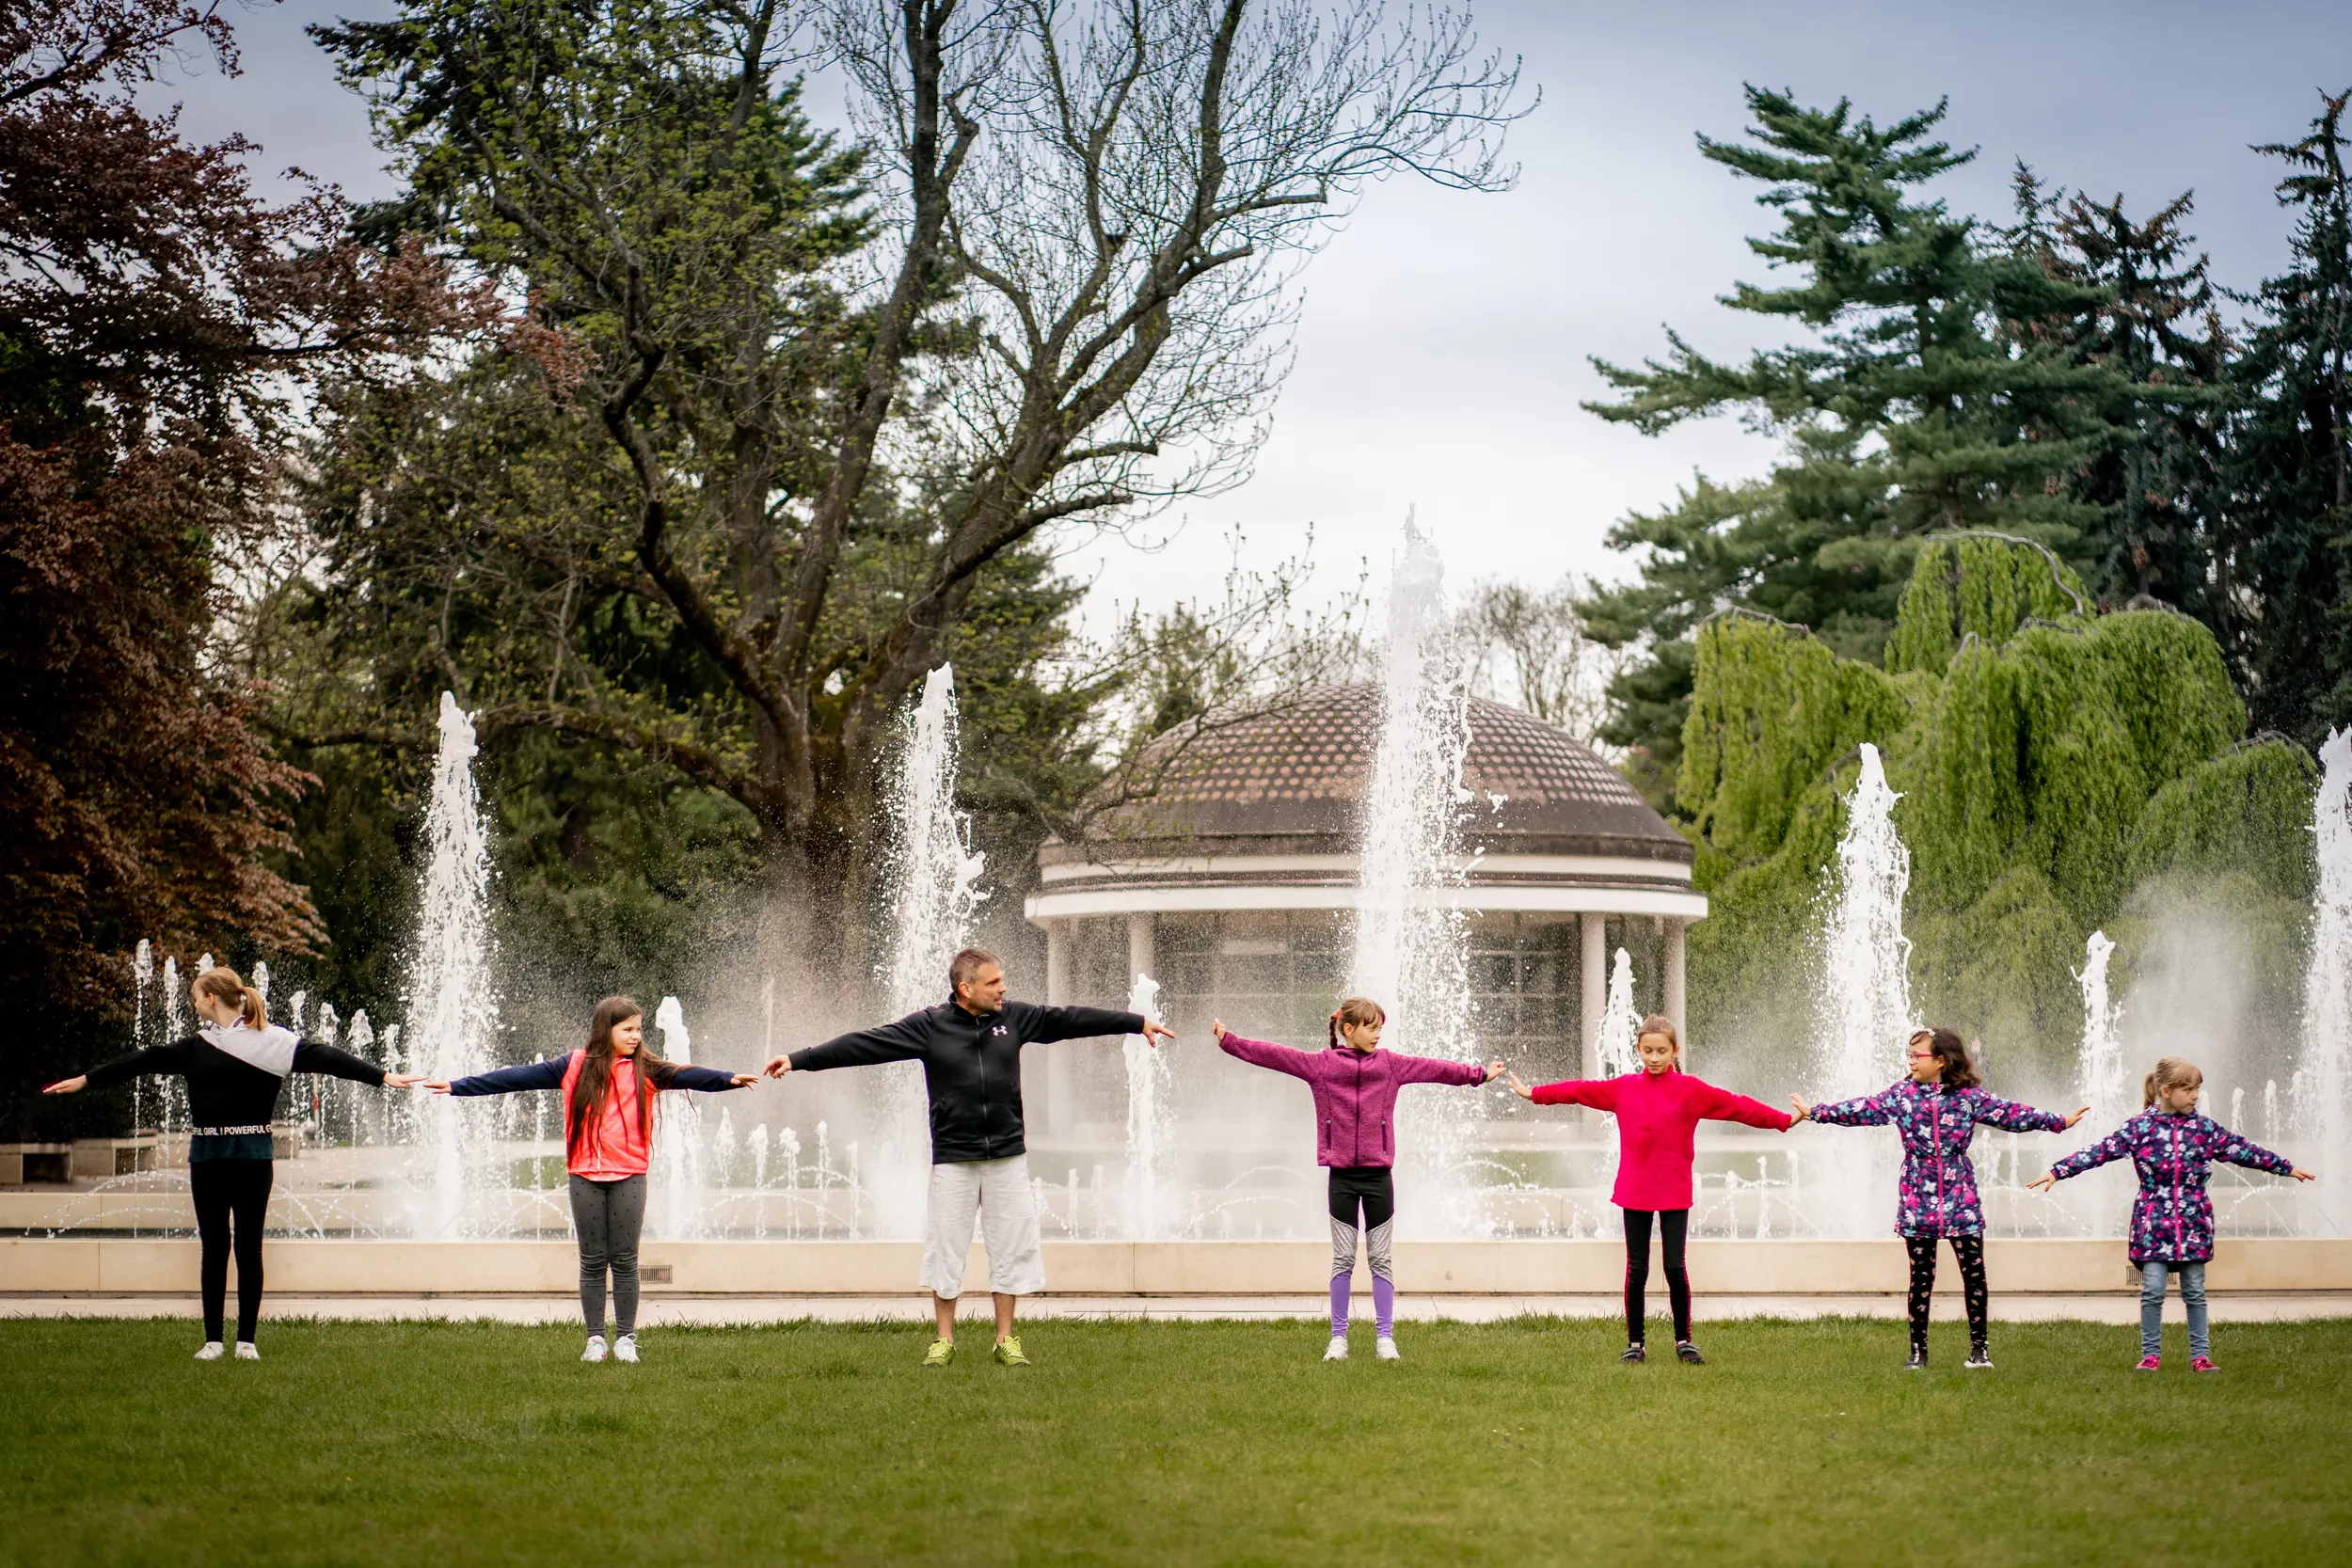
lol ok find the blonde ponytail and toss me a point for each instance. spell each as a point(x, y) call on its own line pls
point(2170, 1072)
point(223, 984)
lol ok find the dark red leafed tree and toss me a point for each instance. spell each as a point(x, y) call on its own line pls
point(159, 324)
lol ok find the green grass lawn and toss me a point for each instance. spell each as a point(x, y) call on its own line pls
point(1522, 1442)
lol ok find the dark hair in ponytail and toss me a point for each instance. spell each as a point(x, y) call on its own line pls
point(595, 1073)
point(1356, 1012)
point(1960, 1069)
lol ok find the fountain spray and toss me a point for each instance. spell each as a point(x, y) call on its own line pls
point(2323, 1078)
point(1865, 992)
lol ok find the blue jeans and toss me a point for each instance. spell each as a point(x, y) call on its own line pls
point(2152, 1307)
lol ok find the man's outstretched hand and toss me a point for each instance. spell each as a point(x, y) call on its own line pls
point(1154, 1033)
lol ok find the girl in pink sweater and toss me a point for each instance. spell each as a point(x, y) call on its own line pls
point(1355, 1085)
point(1657, 1111)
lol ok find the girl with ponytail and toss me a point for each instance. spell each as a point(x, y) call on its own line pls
point(2174, 1150)
point(1354, 1084)
point(608, 1087)
point(236, 1067)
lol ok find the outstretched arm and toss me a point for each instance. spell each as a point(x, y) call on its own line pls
point(2241, 1151)
point(901, 1041)
point(1264, 1054)
point(1721, 1104)
point(310, 1056)
point(1992, 1111)
point(1869, 1110)
point(708, 1080)
point(155, 1058)
point(2117, 1145)
point(1437, 1069)
point(507, 1080)
point(1042, 1025)
point(1598, 1093)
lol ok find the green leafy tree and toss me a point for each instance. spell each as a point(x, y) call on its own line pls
point(1915, 409)
point(2290, 462)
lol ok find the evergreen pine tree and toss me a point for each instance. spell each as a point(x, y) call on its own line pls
point(1916, 410)
point(2291, 454)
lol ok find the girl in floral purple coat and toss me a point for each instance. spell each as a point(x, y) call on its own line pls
point(2174, 1149)
point(1936, 1111)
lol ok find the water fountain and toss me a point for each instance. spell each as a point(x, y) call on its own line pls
point(931, 893)
point(1411, 953)
point(1151, 1195)
point(2100, 1078)
point(1865, 1010)
point(2322, 1076)
point(453, 1012)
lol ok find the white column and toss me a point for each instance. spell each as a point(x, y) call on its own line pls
point(1056, 963)
point(1141, 958)
point(1675, 997)
point(1059, 1113)
point(1594, 992)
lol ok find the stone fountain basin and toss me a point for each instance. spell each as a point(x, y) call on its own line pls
point(307, 1266)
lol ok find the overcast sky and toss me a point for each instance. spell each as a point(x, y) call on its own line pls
point(1444, 345)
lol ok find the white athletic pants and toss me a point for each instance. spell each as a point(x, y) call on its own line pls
point(996, 1192)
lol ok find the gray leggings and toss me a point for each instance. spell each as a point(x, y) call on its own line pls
point(606, 1216)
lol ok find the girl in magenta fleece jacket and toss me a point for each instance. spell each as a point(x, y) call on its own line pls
point(1355, 1085)
point(1657, 1111)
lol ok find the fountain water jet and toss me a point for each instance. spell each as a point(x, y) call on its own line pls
point(451, 1012)
point(1411, 953)
point(1865, 1010)
point(933, 891)
point(2106, 1086)
point(1151, 1214)
point(2323, 1075)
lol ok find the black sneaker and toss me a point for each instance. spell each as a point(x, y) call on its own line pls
point(1918, 1362)
point(1979, 1358)
point(1689, 1352)
point(1635, 1352)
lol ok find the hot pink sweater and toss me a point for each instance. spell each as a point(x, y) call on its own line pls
point(1658, 1115)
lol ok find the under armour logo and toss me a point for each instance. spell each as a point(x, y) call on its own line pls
point(998, 1030)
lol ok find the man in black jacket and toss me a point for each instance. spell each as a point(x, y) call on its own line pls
point(970, 1049)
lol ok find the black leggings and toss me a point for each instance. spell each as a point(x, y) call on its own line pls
point(608, 1217)
point(1970, 1251)
point(1674, 1225)
point(227, 1190)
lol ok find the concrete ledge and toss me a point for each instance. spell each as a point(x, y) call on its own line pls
point(303, 1266)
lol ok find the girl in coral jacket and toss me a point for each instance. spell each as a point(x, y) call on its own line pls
point(1657, 1111)
point(2174, 1149)
point(1355, 1085)
point(1936, 1111)
point(609, 1088)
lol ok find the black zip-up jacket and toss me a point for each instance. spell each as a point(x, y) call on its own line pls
point(971, 1066)
point(226, 1094)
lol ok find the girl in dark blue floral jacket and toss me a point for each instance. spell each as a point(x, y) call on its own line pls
point(1936, 1111)
point(2174, 1149)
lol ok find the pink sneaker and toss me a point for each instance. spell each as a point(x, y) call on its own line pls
point(2203, 1364)
point(2149, 1364)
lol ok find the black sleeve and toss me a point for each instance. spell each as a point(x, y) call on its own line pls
point(902, 1041)
point(1041, 1025)
point(703, 1080)
point(311, 1057)
point(155, 1058)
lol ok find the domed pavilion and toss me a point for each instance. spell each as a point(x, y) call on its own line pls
point(1231, 878)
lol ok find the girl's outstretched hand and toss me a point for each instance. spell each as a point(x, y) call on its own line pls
point(68, 1086)
point(2044, 1183)
point(1518, 1088)
point(437, 1085)
point(1804, 1111)
point(403, 1080)
point(743, 1080)
point(2078, 1115)
point(1217, 1029)
point(1494, 1071)
point(2302, 1175)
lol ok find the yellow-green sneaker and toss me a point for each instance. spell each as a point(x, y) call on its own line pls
point(1009, 1350)
point(941, 1353)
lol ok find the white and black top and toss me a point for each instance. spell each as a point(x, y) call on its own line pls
point(235, 1077)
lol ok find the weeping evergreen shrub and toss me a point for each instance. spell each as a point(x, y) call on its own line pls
point(2060, 771)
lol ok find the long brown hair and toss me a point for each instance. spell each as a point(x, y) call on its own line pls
point(223, 984)
point(595, 1073)
point(1356, 1012)
point(1960, 1069)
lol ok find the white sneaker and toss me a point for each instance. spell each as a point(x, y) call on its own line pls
point(1388, 1351)
point(214, 1350)
point(596, 1348)
point(624, 1348)
point(1337, 1350)
point(245, 1351)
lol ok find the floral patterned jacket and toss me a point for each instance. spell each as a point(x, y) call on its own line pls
point(1938, 1195)
point(2174, 1152)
